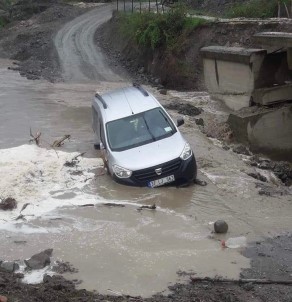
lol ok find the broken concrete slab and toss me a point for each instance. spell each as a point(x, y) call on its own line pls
point(275, 41)
point(265, 130)
point(231, 73)
point(272, 95)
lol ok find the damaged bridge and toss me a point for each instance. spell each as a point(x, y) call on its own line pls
point(256, 84)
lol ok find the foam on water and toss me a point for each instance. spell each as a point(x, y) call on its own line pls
point(37, 176)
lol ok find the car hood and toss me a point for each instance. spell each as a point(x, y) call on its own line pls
point(151, 154)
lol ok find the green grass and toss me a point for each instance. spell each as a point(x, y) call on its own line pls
point(154, 31)
point(254, 9)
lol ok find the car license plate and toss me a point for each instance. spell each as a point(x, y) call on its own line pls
point(161, 181)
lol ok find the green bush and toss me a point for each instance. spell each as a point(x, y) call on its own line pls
point(159, 30)
point(254, 9)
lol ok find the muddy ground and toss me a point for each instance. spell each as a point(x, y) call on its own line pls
point(271, 259)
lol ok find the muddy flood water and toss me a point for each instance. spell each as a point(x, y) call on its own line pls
point(119, 249)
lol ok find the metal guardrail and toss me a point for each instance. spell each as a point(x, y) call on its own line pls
point(134, 5)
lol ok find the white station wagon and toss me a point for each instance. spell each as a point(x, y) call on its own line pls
point(139, 142)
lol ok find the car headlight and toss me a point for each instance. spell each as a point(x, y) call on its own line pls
point(121, 172)
point(187, 152)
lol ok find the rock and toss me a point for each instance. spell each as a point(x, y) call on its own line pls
point(157, 81)
point(3, 299)
point(220, 227)
point(199, 122)
point(39, 260)
point(9, 266)
point(8, 204)
point(163, 91)
point(240, 149)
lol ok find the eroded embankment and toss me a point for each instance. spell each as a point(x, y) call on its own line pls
point(182, 68)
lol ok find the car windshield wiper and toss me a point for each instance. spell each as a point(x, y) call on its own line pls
point(153, 137)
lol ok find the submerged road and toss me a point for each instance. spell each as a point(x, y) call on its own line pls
point(80, 57)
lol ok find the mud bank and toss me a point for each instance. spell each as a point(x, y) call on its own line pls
point(29, 39)
point(183, 69)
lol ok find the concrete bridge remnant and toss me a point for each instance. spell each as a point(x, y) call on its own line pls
point(256, 84)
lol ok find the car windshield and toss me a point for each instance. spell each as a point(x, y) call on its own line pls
point(139, 129)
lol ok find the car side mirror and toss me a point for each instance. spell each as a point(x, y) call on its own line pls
point(99, 146)
point(180, 121)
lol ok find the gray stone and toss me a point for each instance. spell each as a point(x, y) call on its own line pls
point(40, 260)
point(220, 227)
point(199, 122)
point(9, 266)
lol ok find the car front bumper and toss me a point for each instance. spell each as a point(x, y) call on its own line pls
point(184, 171)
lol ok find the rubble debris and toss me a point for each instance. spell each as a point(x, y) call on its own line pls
point(8, 204)
point(282, 169)
point(73, 162)
point(184, 108)
point(64, 267)
point(220, 227)
point(152, 207)
point(60, 142)
point(39, 260)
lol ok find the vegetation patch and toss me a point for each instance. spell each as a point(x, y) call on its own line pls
point(257, 8)
point(167, 31)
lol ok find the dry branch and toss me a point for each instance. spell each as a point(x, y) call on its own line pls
point(60, 142)
point(73, 161)
point(35, 138)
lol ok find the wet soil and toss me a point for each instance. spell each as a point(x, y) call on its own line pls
point(271, 259)
point(183, 69)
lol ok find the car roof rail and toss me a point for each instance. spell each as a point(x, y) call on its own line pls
point(98, 96)
point(141, 89)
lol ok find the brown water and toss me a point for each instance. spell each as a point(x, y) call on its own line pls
point(120, 248)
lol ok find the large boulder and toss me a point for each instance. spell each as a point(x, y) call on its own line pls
point(40, 260)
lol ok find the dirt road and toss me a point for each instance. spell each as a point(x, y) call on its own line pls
point(81, 59)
